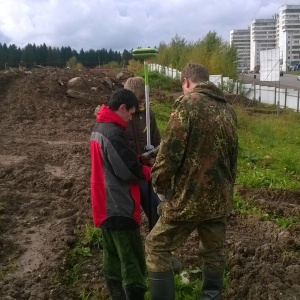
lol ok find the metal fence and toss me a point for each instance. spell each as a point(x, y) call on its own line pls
point(282, 97)
point(170, 72)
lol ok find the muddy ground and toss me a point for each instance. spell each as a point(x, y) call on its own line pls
point(45, 125)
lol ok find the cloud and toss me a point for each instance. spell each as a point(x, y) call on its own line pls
point(124, 24)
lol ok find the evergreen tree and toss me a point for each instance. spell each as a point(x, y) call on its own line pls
point(13, 56)
point(41, 55)
point(210, 51)
point(3, 56)
point(66, 54)
point(126, 56)
point(28, 56)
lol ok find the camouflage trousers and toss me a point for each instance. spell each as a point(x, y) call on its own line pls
point(124, 256)
point(167, 236)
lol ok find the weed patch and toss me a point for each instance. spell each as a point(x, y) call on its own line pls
point(246, 207)
point(91, 238)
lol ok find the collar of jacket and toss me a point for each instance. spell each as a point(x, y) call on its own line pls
point(209, 89)
point(106, 115)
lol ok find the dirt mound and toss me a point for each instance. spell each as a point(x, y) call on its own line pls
point(46, 117)
point(64, 88)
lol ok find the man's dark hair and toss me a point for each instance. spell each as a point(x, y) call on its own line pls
point(122, 96)
point(195, 72)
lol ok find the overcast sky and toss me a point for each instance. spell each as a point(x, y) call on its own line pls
point(125, 24)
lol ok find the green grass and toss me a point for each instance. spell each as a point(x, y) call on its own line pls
point(90, 239)
point(160, 82)
point(164, 83)
point(269, 153)
point(293, 72)
point(162, 112)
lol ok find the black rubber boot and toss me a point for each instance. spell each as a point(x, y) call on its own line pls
point(162, 285)
point(134, 292)
point(212, 285)
point(115, 289)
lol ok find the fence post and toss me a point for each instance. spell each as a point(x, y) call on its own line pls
point(275, 96)
point(259, 97)
point(237, 87)
point(298, 101)
point(254, 92)
point(285, 97)
point(222, 82)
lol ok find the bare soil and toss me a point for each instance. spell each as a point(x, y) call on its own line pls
point(45, 125)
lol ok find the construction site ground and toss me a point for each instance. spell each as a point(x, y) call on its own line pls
point(45, 126)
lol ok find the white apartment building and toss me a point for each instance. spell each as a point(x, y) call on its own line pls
point(262, 37)
point(282, 30)
point(288, 35)
point(240, 38)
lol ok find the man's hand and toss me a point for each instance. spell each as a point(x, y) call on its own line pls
point(148, 161)
point(148, 158)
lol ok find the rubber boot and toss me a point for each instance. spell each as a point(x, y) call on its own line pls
point(115, 289)
point(134, 292)
point(212, 285)
point(162, 285)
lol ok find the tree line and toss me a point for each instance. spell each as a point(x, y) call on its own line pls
point(14, 57)
point(211, 51)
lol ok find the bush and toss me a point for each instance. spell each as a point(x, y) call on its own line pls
point(161, 82)
point(135, 67)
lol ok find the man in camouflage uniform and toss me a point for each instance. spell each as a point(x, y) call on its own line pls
point(194, 175)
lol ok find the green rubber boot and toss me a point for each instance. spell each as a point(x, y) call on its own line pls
point(134, 292)
point(212, 285)
point(162, 285)
point(115, 289)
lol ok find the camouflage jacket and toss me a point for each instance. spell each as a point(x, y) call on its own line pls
point(196, 165)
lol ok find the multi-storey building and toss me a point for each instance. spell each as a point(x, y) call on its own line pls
point(282, 30)
point(262, 37)
point(240, 38)
point(288, 35)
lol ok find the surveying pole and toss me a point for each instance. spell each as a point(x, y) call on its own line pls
point(145, 54)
